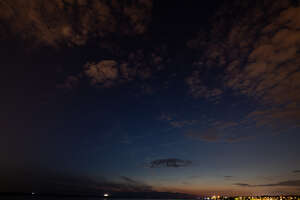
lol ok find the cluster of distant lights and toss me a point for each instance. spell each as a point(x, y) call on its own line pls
point(255, 198)
point(213, 197)
point(217, 197)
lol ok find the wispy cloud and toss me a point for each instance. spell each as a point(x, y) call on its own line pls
point(288, 183)
point(219, 131)
point(243, 184)
point(135, 185)
point(169, 162)
point(173, 121)
point(210, 135)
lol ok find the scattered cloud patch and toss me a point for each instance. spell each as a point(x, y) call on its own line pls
point(198, 89)
point(255, 56)
point(137, 66)
point(58, 22)
point(104, 73)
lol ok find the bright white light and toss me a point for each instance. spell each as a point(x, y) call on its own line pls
point(32, 193)
point(106, 195)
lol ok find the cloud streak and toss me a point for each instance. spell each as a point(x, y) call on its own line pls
point(288, 183)
point(169, 162)
point(176, 123)
point(219, 131)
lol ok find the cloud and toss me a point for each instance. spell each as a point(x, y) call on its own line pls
point(129, 180)
point(135, 185)
point(176, 123)
point(109, 73)
point(198, 89)
point(278, 117)
point(224, 125)
point(57, 22)
point(238, 138)
point(137, 66)
point(228, 176)
point(169, 162)
point(289, 183)
point(104, 73)
point(219, 131)
point(242, 184)
point(254, 52)
point(182, 123)
point(296, 171)
point(209, 135)
point(194, 177)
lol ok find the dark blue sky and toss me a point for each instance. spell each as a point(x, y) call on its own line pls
point(193, 97)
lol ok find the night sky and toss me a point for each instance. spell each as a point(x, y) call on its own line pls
point(196, 97)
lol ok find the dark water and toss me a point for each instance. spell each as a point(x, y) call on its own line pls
point(61, 198)
point(56, 198)
point(48, 198)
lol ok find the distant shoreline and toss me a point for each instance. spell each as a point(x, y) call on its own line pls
point(96, 196)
